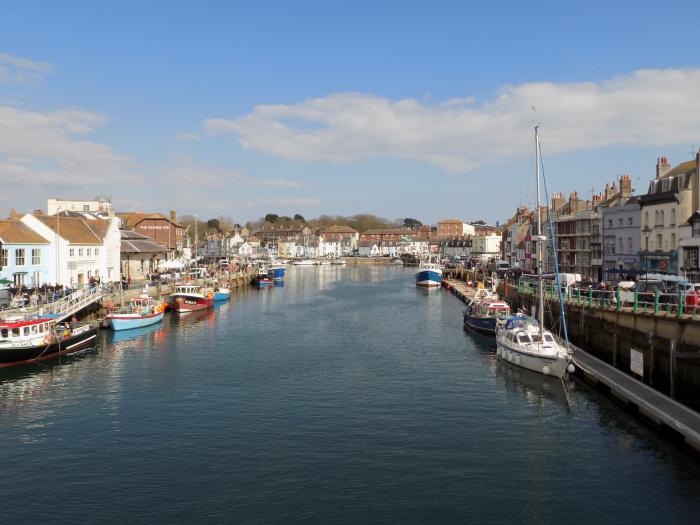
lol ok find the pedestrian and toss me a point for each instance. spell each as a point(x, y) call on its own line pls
point(74, 323)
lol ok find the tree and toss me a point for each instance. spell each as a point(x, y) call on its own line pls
point(271, 217)
point(414, 224)
point(214, 224)
point(298, 217)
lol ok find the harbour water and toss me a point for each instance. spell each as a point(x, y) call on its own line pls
point(347, 395)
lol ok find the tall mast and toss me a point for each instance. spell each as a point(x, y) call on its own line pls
point(540, 238)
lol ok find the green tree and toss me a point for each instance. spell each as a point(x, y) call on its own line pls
point(271, 217)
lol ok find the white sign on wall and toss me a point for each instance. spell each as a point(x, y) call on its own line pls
point(637, 362)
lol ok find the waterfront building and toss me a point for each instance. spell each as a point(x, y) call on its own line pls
point(577, 229)
point(24, 255)
point(671, 200)
point(82, 246)
point(486, 245)
point(337, 240)
point(140, 255)
point(620, 217)
point(102, 205)
point(454, 229)
point(456, 248)
point(514, 232)
point(156, 226)
point(689, 244)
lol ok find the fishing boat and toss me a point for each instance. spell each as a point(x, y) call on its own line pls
point(429, 274)
point(526, 342)
point(141, 311)
point(262, 281)
point(31, 339)
point(221, 293)
point(483, 314)
point(190, 297)
point(276, 272)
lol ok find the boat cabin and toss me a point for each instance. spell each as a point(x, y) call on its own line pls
point(187, 288)
point(25, 331)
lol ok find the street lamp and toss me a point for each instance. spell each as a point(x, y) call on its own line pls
point(646, 231)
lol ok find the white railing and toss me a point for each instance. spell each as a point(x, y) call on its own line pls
point(64, 307)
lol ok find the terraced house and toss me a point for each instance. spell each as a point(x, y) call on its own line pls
point(24, 255)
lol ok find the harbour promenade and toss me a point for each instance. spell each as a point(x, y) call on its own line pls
point(663, 411)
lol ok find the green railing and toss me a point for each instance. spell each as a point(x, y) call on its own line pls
point(666, 304)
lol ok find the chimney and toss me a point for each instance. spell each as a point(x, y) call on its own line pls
point(38, 212)
point(625, 186)
point(557, 201)
point(173, 215)
point(610, 190)
point(14, 214)
point(662, 167)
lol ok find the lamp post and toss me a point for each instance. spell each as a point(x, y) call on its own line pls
point(646, 231)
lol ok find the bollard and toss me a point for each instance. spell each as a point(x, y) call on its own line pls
point(681, 302)
point(590, 298)
point(635, 302)
point(617, 298)
point(656, 302)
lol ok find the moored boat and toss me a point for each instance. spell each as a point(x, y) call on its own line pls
point(141, 311)
point(261, 280)
point(25, 340)
point(429, 275)
point(221, 293)
point(190, 297)
point(483, 314)
point(276, 272)
point(304, 262)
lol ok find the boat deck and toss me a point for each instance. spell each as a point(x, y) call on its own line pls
point(652, 404)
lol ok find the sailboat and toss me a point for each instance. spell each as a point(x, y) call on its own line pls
point(526, 342)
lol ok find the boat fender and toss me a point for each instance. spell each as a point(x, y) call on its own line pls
point(570, 368)
point(546, 370)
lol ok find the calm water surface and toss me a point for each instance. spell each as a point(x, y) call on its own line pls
point(347, 395)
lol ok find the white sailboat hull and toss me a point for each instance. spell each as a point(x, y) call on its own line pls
point(551, 365)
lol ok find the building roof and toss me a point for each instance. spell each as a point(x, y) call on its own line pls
point(683, 168)
point(133, 242)
point(389, 231)
point(451, 221)
point(132, 219)
point(76, 230)
point(16, 232)
point(338, 229)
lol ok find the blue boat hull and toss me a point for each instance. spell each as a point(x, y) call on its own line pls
point(135, 322)
point(276, 273)
point(428, 278)
point(482, 324)
point(221, 296)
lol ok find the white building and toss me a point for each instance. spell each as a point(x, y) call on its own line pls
point(487, 245)
point(101, 206)
point(82, 247)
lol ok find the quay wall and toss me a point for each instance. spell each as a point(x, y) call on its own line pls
point(670, 346)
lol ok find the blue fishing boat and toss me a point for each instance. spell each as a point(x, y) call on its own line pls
point(429, 275)
point(140, 312)
point(221, 293)
point(276, 272)
point(483, 314)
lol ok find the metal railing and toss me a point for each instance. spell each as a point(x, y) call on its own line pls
point(676, 304)
point(63, 307)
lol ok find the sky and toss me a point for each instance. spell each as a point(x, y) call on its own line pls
point(395, 108)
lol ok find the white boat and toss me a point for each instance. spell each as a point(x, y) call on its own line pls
point(304, 262)
point(526, 342)
point(429, 274)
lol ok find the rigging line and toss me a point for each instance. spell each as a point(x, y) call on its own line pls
point(554, 250)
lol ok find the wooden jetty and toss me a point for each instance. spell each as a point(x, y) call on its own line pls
point(664, 412)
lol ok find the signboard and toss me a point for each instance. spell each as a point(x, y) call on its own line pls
point(637, 362)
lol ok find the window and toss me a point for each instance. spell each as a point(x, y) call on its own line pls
point(629, 245)
point(663, 219)
point(80, 252)
point(71, 252)
point(696, 231)
point(5, 254)
point(673, 241)
point(646, 218)
point(619, 244)
point(656, 218)
point(86, 207)
point(89, 252)
point(97, 252)
point(610, 223)
point(673, 217)
point(630, 221)
point(620, 221)
point(19, 257)
point(36, 256)
point(690, 259)
point(659, 241)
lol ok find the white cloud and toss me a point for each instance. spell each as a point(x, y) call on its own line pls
point(14, 69)
point(275, 183)
point(648, 107)
point(46, 150)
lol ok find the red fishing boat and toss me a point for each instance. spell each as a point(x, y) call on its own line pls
point(189, 298)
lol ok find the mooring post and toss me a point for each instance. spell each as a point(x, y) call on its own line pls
point(616, 343)
point(672, 368)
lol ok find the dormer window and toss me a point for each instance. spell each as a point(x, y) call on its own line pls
point(696, 229)
point(666, 184)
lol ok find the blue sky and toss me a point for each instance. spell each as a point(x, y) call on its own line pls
point(418, 109)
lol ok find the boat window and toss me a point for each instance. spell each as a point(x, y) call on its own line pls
point(35, 329)
point(535, 338)
point(549, 338)
point(3, 333)
point(26, 330)
point(15, 332)
point(42, 327)
point(523, 338)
